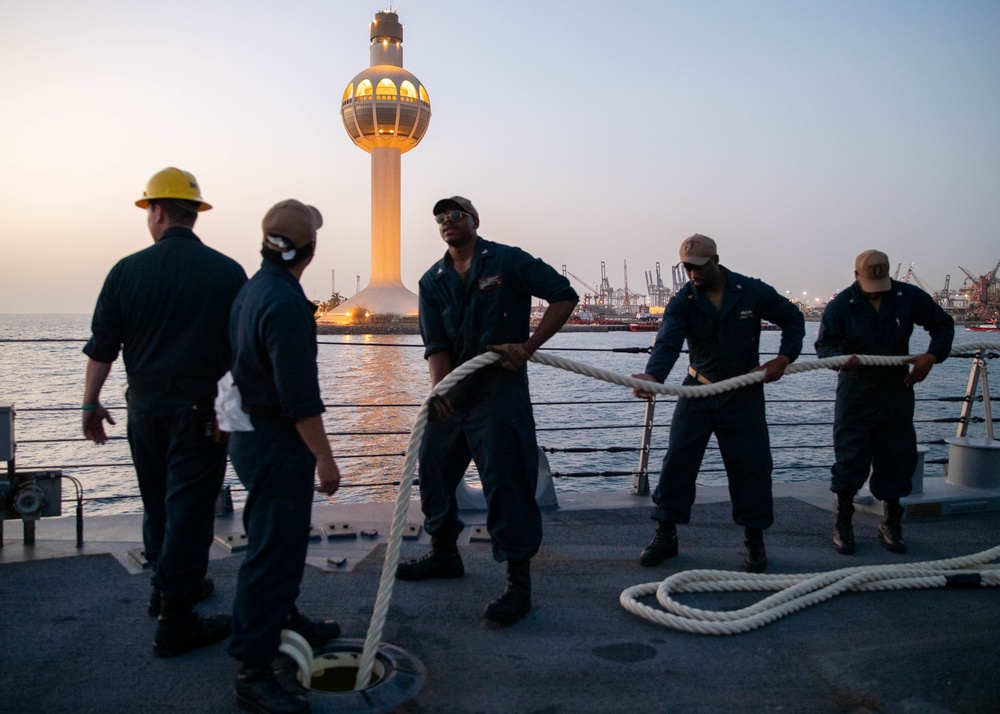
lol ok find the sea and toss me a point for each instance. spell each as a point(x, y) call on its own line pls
point(373, 385)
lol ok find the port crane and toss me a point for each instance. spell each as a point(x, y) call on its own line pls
point(679, 276)
point(988, 278)
point(594, 292)
point(984, 300)
point(607, 294)
point(657, 291)
point(623, 298)
point(911, 275)
point(944, 296)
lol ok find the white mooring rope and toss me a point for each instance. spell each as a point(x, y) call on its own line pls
point(797, 592)
point(367, 661)
point(719, 580)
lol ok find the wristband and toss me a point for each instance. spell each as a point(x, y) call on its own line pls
point(90, 407)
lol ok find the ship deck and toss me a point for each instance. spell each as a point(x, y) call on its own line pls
point(75, 637)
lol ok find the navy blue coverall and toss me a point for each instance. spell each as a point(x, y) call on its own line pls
point(492, 420)
point(722, 343)
point(873, 418)
point(166, 308)
point(273, 331)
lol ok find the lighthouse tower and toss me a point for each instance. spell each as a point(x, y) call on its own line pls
point(386, 111)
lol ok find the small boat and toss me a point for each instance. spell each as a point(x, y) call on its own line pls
point(766, 326)
point(644, 326)
point(988, 327)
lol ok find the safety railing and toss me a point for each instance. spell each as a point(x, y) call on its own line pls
point(591, 443)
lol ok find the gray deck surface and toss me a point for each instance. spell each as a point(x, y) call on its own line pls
point(74, 635)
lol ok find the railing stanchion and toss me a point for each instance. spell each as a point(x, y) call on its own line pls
point(977, 374)
point(640, 481)
point(987, 409)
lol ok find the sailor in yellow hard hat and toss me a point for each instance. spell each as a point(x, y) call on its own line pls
point(174, 184)
point(165, 309)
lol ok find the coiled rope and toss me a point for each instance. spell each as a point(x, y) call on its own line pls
point(720, 580)
point(797, 592)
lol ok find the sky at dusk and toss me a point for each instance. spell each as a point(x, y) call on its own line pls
point(797, 134)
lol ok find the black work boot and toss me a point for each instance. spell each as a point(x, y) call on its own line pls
point(179, 629)
point(155, 595)
point(843, 534)
point(663, 545)
point(754, 555)
point(890, 531)
point(316, 632)
point(515, 600)
point(258, 691)
point(443, 561)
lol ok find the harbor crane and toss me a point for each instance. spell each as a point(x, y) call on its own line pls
point(607, 294)
point(989, 278)
point(971, 277)
point(630, 298)
point(984, 300)
point(911, 275)
point(657, 291)
point(625, 300)
point(679, 276)
point(594, 292)
point(943, 296)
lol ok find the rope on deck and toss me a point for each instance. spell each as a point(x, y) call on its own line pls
point(797, 592)
point(380, 610)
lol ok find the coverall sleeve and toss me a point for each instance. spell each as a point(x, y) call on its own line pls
point(107, 326)
point(789, 318)
point(289, 333)
point(432, 329)
point(831, 332)
point(939, 325)
point(540, 279)
point(669, 340)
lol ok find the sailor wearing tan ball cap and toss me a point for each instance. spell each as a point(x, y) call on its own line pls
point(273, 332)
point(871, 270)
point(873, 430)
point(718, 312)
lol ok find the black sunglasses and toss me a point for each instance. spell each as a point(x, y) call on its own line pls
point(453, 215)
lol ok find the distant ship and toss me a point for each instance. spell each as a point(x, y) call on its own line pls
point(645, 324)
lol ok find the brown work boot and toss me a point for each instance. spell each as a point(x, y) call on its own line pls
point(663, 545)
point(515, 600)
point(443, 561)
point(890, 531)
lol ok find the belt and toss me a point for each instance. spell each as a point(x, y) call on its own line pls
point(698, 375)
point(190, 387)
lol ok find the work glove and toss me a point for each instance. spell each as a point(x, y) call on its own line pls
point(439, 408)
point(513, 356)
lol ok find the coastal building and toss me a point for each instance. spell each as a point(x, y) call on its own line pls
point(386, 112)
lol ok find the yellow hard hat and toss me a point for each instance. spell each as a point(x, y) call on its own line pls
point(172, 183)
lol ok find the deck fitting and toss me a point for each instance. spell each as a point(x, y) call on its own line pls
point(397, 677)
